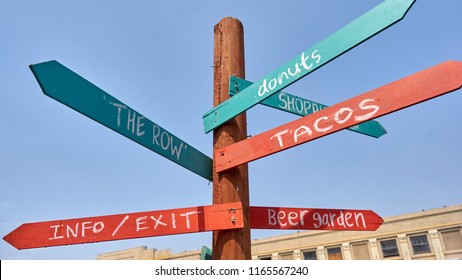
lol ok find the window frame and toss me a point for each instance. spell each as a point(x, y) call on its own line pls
point(442, 231)
point(334, 247)
point(310, 251)
point(388, 257)
point(287, 253)
point(353, 253)
point(418, 254)
point(265, 258)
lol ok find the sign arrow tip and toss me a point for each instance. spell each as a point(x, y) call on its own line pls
point(12, 238)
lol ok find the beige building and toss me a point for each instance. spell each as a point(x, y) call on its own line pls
point(431, 234)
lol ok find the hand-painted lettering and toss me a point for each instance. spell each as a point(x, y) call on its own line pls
point(128, 223)
point(120, 225)
point(187, 214)
point(166, 141)
point(366, 110)
point(362, 105)
point(158, 221)
point(141, 221)
point(56, 234)
point(135, 124)
point(292, 72)
point(278, 135)
point(344, 219)
point(315, 219)
point(298, 105)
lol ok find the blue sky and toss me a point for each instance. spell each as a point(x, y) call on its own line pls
point(157, 57)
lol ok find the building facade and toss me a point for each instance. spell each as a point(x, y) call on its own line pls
point(427, 235)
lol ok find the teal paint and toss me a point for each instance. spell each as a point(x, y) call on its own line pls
point(299, 106)
point(67, 87)
point(369, 24)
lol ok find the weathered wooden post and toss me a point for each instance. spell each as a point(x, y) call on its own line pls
point(233, 184)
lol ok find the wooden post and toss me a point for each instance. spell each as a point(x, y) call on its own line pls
point(233, 184)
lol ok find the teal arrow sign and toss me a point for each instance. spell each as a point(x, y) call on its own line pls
point(302, 107)
point(67, 87)
point(369, 24)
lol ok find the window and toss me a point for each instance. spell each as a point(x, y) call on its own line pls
point(286, 256)
point(334, 253)
point(452, 239)
point(361, 251)
point(389, 248)
point(265, 258)
point(310, 255)
point(420, 244)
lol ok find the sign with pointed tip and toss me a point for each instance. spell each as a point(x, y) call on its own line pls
point(313, 219)
point(67, 87)
point(127, 226)
point(206, 253)
point(369, 24)
point(299, 106)
point(419, 87)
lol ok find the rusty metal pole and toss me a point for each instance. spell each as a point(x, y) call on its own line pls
point(231, 185)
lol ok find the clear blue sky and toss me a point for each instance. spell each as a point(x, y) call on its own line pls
point(157, 56)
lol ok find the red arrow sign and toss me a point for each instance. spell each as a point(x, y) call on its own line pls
point(313, 219)
point(419, 87)
point(126, 226)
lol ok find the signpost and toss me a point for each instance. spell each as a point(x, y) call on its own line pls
point(231, 217)
point(430, 83)
point(127, 226)
point(374, 21)
point(313, 219)
point(231, 185)
point(65, 86)
point(299, 106)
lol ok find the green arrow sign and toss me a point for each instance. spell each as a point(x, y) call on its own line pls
point(67, 87)
point(374, 21)
point(302, 107)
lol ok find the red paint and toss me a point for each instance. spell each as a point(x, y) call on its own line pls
point(422, 86)
point(127, 226)
point(313, 219)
